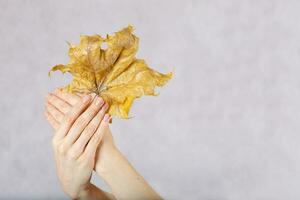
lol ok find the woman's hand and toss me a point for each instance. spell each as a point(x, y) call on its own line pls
point(58, 104)
point(79, 130)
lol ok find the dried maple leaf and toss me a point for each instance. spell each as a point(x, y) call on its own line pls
point(114, 73)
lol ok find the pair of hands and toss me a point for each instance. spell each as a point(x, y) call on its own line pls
point(82, 140)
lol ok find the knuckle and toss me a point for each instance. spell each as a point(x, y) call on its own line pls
point(81, 122)
point(93, 108)
point(54, 142)
point(52, 99)
point(47, 105)
point(49, 109)
point(57, 115)
point(85, 158)
point(49, 97)
point(72, 154)
point(60, 104)
point(84, 117)
point(62, 149)
point(69, 118)
point(90, 128)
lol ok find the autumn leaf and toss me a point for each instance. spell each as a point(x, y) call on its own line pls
point(113, 73)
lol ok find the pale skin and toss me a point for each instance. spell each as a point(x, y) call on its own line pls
point(83, 142)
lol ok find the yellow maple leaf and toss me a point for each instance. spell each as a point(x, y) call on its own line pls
point(113, 73)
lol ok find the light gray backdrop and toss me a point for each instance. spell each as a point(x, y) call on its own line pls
point(226, 126)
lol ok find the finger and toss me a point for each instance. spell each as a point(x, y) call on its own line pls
point(56, 114)
point(96, 138)
point(83, 120)
point(88, 132)
point(71, 99)
point(60, 104)
point(51, 120)
point(71, 116)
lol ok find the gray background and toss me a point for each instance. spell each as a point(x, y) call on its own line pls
point(226, 126)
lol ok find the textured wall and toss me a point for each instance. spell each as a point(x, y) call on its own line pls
point(227, 125)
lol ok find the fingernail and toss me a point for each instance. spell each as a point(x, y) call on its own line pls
point(106, 117)
point(86, 98)
point(98, 101)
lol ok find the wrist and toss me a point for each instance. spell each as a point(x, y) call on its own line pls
point(85, 192)
point(108, 165)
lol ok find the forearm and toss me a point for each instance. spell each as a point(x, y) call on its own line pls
point(124, 181)
point(94, 193)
